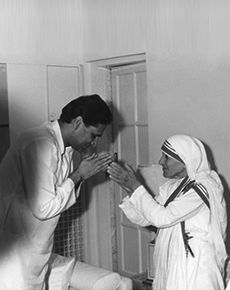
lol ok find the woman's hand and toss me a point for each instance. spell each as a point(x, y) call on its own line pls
point(124, 175)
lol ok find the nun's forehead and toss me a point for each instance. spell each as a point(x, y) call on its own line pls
point(169, 150)
point(190, 150)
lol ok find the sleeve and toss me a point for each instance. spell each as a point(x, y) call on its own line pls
point(46, 199)
point(133, 214)
point(152, 212)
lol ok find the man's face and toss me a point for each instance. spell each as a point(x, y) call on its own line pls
point(172, 168)
point(86, 136)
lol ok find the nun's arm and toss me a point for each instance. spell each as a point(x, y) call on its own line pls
point(156, 214)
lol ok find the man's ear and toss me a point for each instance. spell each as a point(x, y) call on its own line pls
point(77, 122)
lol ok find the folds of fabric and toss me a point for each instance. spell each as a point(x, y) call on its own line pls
point(193, 154)
point(175, 270)
point(205, 222)
point(34, 191)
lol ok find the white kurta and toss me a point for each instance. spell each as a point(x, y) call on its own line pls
point(175, 271)
point(34, 191)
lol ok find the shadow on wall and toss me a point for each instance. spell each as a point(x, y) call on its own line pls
point(226, 193)
point(5, 140)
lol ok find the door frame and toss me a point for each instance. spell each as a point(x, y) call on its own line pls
point(99, 219)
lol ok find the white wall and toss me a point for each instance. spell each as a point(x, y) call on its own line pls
point(44, 31)
point(33, 35)
point(188, 70)
point(114, 28)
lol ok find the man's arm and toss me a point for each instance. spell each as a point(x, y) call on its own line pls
point(45, 196)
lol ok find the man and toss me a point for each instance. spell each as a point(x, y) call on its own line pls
point(38, 183)
point(189, 212)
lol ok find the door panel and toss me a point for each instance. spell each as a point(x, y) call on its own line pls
point(63, 87)
point(125, 89)
point(130, 244)
point(142, 112)
point(127, 141)
point(129, 96)
point(142, 150)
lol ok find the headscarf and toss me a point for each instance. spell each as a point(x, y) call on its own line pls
point(190, 151)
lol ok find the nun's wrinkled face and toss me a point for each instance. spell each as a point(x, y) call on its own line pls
point(172, 168)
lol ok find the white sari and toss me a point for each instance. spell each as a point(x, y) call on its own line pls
point(174, 268)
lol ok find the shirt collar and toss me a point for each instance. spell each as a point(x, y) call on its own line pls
point(58, 134)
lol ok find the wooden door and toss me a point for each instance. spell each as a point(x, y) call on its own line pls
point(129, 97)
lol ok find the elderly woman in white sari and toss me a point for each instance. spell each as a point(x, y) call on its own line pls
point(189, 212)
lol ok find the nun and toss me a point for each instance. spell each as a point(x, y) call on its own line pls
point(189, 212)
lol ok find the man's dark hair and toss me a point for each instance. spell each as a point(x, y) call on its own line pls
point(91, 108)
